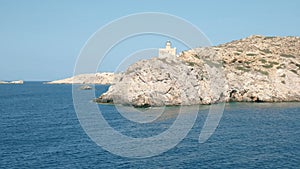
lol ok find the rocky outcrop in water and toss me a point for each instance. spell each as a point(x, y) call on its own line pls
point(254, 69)
point(98, 78)
point(86, 87)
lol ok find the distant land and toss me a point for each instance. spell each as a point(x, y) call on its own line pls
point(12, 82)
point(96, 78)
point(255, 69)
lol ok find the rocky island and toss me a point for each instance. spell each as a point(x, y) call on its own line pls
point(12, 82)
point(97, 78)
point(253, 69)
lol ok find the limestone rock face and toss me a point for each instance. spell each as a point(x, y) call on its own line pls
point(262, 68)
point(98, 78)
point(254, 69)
point(165, 81)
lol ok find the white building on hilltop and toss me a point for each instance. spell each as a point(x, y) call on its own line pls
point(167, 51)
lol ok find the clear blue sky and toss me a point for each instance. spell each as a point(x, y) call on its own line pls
point(40, 40)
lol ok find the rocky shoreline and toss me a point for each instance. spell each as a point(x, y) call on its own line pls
point(253, 69)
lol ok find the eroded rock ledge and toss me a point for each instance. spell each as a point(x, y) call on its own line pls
point(253, 69)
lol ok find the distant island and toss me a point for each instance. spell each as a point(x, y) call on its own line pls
point(255, 69)
point(12, 82)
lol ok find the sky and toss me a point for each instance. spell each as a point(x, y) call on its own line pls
point(41, 40)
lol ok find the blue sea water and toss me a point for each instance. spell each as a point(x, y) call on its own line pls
point(40, 129)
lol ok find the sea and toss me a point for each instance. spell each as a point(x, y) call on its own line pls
point(39, 128)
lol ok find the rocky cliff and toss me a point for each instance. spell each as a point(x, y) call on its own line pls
point(255, 69)
point(97, 78)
